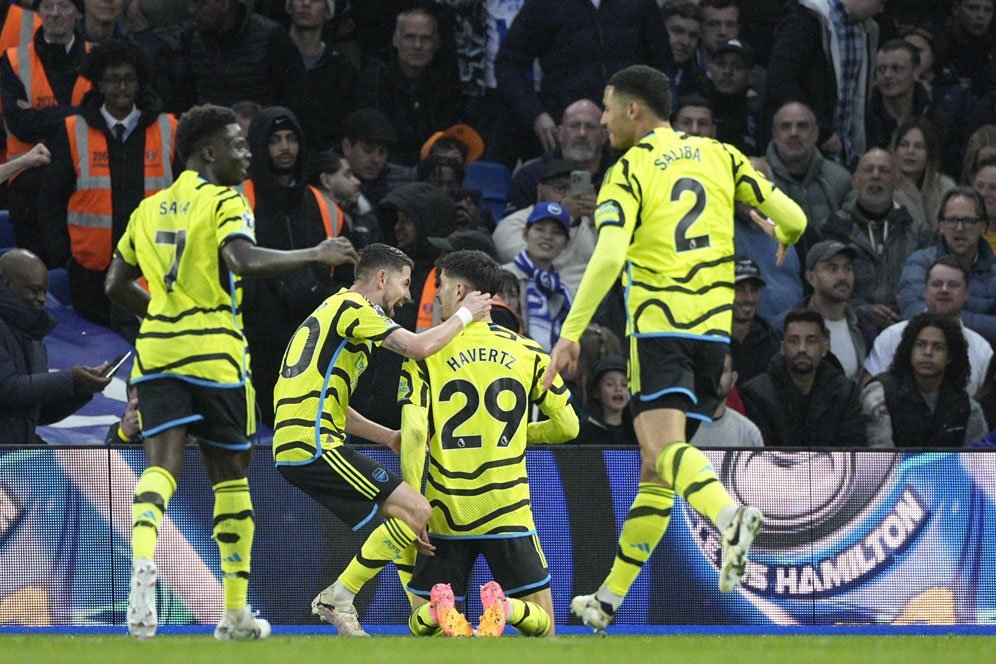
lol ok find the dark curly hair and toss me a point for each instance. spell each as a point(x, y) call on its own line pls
point(114, 53)
point(957, 372)
point(198, 125)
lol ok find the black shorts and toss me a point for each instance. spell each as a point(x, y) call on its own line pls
point(673, 372)
point(347, 483)
point(517, 564)
point(222, 417)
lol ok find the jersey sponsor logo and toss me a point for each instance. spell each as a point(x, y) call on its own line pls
point(404, 389)
point(380, 476)
point(248, 219)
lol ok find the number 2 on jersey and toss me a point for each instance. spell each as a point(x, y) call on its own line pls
point(179, 240)
point(449, 439)
point(681, 240)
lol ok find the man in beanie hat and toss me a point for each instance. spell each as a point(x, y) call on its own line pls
point(39, 87)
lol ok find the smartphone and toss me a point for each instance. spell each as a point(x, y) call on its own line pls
point(580, 181)
point(115, 365)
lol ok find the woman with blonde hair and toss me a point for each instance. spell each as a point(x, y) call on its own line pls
point(919, 182)
point(981, 146)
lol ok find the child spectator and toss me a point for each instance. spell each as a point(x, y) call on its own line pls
point(609, 421)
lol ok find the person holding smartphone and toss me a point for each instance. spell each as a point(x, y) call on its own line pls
point(29, 393)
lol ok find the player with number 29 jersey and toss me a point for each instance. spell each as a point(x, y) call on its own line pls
point(193, 329)
point(474, 398)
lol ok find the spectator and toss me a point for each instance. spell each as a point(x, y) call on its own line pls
point(683, 21)
point(244, 110)
point(596, 343)
point(962, 223)
point(505, 304)
point(554, 185)
point(921, 400)
point(226, 54)
point(985, 184)
point(822, 56)
point(101, 21)
point(737, 106)
point(693, 115)
point(459, 142)
point(330, 78)
point(783, 282)
point(544, 299)
point(728, 427)
point(610, 421)
point(289, 215)
point(980, 147)
point(945, 293)
point(29, 393)
point(17, 25)
point(331, 174)
point(882, 232)
point(830, 273)
point(970, 41)
point(33, 111)
point(898, 97)
point(720, 24)
point(366, 142)
point(818, 185)
point(125, 147)
point(753, 341)
point(416, 90)
point(447, 173)
point(920, 182)
point(578, 47)
point(581, 139)
point(804, 399)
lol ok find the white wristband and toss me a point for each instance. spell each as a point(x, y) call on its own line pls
point(463, 313)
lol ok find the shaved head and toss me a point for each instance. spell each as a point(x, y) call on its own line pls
point(25, 275)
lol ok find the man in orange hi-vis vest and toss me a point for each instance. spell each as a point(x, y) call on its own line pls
point(116, 151)
point(39, 88)
point(290, 214)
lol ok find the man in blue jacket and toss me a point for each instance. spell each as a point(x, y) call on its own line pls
point(29, 394)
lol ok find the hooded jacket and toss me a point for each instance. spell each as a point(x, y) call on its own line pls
point(29, 394)
point(820, 193)
point(287, 217)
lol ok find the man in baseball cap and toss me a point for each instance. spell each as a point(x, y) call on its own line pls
point(367, 138)
point(753, 342)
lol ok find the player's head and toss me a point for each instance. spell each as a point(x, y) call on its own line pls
point(384, 276)
point(210, 141)
point(462, 272)
point(636, 99)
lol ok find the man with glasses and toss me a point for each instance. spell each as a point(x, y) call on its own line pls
point(962, 223)
point(117, 150)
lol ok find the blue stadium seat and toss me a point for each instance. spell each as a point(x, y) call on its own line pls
point(58, 286)
point(6, 230)
point(493, 180)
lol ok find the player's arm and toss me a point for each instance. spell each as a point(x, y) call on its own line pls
point(247, 260)
point(475, 306)
point(357, 425)
point(785, 221)
point(120, 284)
point(562, 425)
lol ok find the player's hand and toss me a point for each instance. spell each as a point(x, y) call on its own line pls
point(37, 156)
point(87, 380)
point(768, 227)
point(336, 251)
point(478, 303)
point(564, 356)
point(423, 545)
point(393, 441)
point(546, 131)
point(129, 421)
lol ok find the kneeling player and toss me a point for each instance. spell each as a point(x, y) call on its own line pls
point(474, 397)
point(322, 364)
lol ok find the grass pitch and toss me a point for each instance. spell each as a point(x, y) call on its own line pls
point(15, 649)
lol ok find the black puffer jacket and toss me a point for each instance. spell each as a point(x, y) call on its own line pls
point(29, 394)
point(829, 416)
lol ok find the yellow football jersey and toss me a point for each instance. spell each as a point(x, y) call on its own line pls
point(322, 364)
point(193, 330)
point(673, 196)
point(471, 400)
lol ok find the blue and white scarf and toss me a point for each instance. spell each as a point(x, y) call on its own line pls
point(544, 323)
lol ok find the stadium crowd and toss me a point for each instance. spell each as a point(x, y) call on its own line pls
point(442, 125)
